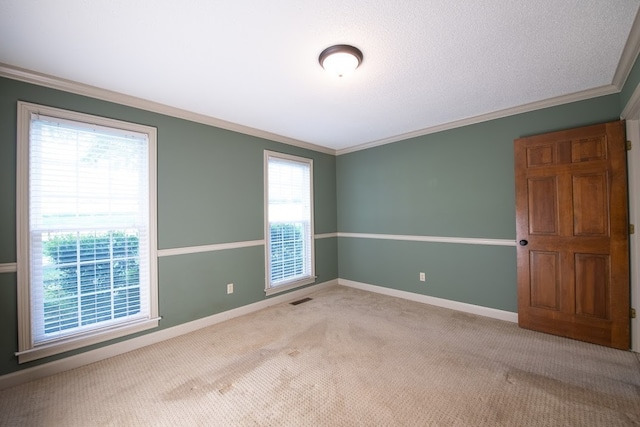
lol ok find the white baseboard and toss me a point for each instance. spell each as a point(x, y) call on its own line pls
point(425, 299)
point(78, 360)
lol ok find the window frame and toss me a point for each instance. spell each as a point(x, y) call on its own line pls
point(271, 289)
point(27, 349)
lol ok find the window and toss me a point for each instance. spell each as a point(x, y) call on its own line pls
point(288, 221)
point(87, 234)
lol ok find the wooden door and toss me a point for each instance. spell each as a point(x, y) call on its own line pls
point(572, 232)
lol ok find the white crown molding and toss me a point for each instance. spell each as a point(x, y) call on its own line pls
point(538, 105)
point(209, 248)
point(10, 267)
point(632, 48)
point(431, 239)
point(439, 302)
point(629, 54)
point(92, 356)
point(40, 79)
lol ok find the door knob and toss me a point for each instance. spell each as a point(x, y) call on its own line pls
point(523, 242)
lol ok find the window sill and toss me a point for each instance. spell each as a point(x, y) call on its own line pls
point(282, 288)
point(51, 349)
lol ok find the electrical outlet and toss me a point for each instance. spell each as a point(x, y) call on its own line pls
point(423, 278)
point(230, 288)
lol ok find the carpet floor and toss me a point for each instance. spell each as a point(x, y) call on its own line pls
point(345, 358)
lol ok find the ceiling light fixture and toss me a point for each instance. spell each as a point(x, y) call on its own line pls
point(340, 59)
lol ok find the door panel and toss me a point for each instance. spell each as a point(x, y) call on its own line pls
point(592, 285)
point(545, 280)
point(590, 211)
point(571, 210)
point(541, 155)
point(543, 215)
point(584, 150)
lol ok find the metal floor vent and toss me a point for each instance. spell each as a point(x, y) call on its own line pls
point(300, 301)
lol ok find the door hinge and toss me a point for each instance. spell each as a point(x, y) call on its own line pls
point(633, 313)
point(632, 229)
point(628, 145)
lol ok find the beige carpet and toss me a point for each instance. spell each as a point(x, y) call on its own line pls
point(346, 358)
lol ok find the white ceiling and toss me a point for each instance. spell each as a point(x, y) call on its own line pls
point(428, 64)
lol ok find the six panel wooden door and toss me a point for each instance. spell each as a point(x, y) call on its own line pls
point(572, 232)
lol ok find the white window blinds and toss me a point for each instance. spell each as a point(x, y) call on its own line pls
point(289, 220)
point(89, 230)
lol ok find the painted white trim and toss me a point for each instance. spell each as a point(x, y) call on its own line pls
point(433, 239)
point(632, 109)
point(152, 256)
point(326, 235)
point(10, 267)
point(269, 289)
point(538, 105)
point(54, 348)
point(92, 356)
point(223, 246)
point(283, 288)
point(629, 54)
point(633, 162)
point(439, 302)
point(27, 350)
point(40, 79)
point(23, 279)
point(209, 248)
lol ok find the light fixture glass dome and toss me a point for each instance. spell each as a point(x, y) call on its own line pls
point(340, 59)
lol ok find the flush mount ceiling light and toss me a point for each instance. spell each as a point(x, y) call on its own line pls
point(340, 59)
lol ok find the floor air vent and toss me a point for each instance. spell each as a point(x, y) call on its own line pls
point(300, 301)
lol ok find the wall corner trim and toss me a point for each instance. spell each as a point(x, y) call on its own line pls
point(439, 302)
point(92, 356)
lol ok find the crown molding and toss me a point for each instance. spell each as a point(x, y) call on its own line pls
point(629, 54)
point(538, 105)
point(52, 82)
point(631, 51)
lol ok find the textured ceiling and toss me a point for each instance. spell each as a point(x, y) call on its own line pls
point(255, 63)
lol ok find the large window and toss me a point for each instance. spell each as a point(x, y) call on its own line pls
point(87, 234)
point(288, 222)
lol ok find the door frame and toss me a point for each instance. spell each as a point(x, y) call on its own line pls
point(631, 114)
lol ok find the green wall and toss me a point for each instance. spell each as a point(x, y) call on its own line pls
point(210, 190)
point(456, 183)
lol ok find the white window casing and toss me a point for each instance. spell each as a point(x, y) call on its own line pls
point(87, 234)
point(289, 226)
